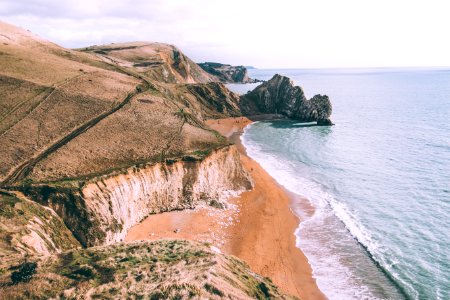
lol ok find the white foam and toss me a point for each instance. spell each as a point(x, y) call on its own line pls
point(334, 279)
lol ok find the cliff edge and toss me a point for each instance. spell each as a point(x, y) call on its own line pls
point(228, 73)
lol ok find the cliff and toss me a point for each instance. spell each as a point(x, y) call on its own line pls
point(29, 229)
point(227, 73)
point(68, 117)
point(280, 96)
point(215, 100)
point(165, 269)
point(104, 208)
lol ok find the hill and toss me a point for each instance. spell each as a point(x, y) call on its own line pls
point(67, 113)
point(165, 269)
point(227, 73)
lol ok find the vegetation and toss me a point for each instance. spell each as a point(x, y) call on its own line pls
point(24, 273)
point(164, 269)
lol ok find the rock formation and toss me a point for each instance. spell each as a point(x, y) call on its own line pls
point(215, 99)
point(104, 208)
point(227, 73)
point(280, 96)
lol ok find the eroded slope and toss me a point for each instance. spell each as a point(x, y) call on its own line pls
point(71, 114)
point(29, 229)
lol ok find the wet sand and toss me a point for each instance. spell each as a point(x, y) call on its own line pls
point(258, 227)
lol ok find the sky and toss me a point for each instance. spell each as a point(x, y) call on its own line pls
point(264, 34)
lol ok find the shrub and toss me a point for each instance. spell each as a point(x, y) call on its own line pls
point(24, 273)
point(213, 290)
point(26, 184)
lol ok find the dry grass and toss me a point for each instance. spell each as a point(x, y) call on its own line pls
point(158, 61)
point(165, 269)
point(48, 91)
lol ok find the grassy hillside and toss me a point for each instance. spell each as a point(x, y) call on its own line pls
point(158, 61)
point(71, 114)
point(165, 269)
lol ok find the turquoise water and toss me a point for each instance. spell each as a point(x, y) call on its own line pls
point(379, 180)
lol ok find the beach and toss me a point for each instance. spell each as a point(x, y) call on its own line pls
point(257, 227)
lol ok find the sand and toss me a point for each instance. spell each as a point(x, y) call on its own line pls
point(258, 227)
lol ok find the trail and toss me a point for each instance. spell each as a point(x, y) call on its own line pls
point(47, 90)
point(25, 168)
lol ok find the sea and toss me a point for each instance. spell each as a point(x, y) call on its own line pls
point(379, 179)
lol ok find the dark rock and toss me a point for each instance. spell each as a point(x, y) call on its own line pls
point(216, 204)
point(280, 96)
point(217, 101)
point(325, 122)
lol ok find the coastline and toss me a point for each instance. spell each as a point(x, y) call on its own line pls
point(258, 227)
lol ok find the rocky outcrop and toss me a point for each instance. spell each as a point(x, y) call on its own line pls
point(104, 209)
point(216, 101)
point(227, 73)
point(280, 96)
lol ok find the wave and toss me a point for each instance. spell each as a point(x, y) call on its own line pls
point(334, 278)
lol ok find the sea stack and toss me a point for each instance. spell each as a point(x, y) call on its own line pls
point(279, 95)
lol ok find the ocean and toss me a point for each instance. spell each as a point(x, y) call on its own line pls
point(379, 179)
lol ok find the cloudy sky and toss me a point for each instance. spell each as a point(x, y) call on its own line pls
point(266, 34)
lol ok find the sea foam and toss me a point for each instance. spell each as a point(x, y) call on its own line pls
point(334, 279)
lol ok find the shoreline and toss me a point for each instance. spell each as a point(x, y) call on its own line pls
point(258, 227)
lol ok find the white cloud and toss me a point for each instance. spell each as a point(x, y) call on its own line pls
point(284, 33)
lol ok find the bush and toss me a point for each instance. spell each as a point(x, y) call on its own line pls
point(216, 204)
point(26, 184)
point(25, 272)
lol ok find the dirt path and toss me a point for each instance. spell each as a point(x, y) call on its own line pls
point(25, 168)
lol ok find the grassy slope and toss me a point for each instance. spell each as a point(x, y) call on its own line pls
point(165, 269)
point(47, 91)
point(158, 61)
point(50, 95)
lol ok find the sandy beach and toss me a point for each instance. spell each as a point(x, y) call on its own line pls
point(258, 227)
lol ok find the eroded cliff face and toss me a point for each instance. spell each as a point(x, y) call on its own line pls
point(280, 96)
point(215, 100)
point(103, 210)
point(28, 229)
